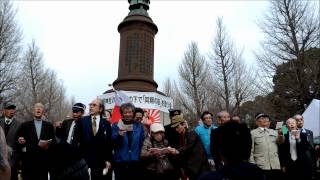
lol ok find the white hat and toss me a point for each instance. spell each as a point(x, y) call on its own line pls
point(156, 127)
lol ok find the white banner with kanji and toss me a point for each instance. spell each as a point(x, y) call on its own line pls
point(144, 100)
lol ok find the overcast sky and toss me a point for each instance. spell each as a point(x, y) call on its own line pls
point(80, 41)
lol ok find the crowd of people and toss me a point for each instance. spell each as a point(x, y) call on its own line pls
point(90, 147)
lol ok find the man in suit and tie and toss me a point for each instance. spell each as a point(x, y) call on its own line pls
point(310, 153)
point(68, 161)
point(11, 126)
point(293, 157)
point(36, 138)
point(93, 136)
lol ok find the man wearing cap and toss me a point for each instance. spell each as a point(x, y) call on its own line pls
point(66, 131)
point(190, 151)
point(11, 126)
point(264, 151)
point(68, 162)
point(170, 134)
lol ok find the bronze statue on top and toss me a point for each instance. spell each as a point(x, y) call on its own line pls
point(139, 7)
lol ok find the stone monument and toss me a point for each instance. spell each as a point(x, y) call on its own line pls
point(136, 56)
point(136, 64)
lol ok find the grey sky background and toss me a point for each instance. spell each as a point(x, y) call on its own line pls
point(80, 41)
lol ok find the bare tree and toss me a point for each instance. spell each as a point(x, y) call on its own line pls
point(38, 84)
point(222, 56)
point(168, 88)
point(243, 85)
point(234, 82)
point(194, 75)
point(10, 38)
point(31, 80)
point(291, 28)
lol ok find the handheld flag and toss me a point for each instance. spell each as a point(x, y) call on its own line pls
point(119, 99)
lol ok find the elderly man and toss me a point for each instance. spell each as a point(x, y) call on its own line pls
point(127, 136)
point(293, 153)
point(264, 151)
point(310, 153)
point(223, 117)
point(11, 126)
point(93, 135)
point(190, 151)
point(36, 138)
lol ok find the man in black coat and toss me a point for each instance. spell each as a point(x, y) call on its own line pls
point(68, 162)
point(311, 152)
point(93, 135)
point(293, 153)
point(222, 117)
point(171, 135)
point(36, 138)
point(190, 151)
point(234, 148)
point(11, 126)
